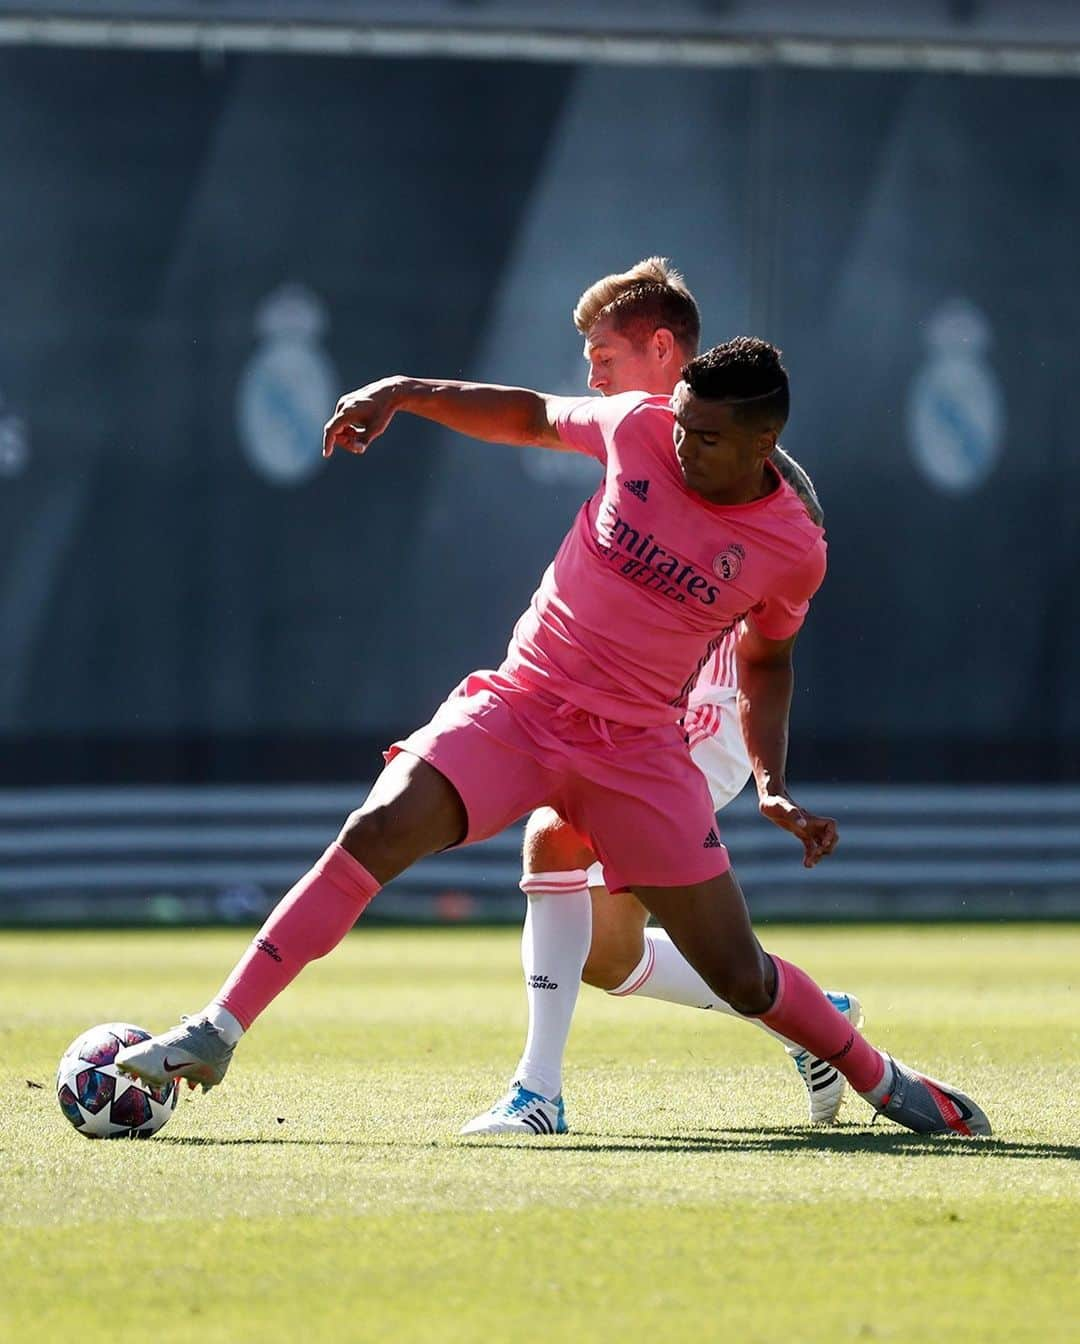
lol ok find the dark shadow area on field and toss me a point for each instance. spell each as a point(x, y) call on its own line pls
point(201, 1141)
point(719, 1141)
point(747, 1140)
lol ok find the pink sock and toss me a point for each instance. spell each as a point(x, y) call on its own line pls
point(308, 922)
point(802, 1012)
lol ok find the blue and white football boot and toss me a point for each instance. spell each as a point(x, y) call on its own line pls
point(520, 1112)
point(825, 1085)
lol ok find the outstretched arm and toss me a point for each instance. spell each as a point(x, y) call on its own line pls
point(766, 677)
point(512, 415)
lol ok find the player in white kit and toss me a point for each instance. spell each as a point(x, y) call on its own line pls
point(640, 327)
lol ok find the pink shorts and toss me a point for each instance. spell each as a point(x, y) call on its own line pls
point(633, 793)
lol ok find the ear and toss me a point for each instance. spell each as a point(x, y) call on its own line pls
point(663, 343)
point(766, 442)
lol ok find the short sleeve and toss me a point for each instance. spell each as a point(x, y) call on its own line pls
point(781, 614)
point(586, 424)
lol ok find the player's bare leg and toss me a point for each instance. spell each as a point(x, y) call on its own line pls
point(626, 958)
point(411, 811)
point(710, 924)
point(618, 941)
point(629, 959)
point(563, 918)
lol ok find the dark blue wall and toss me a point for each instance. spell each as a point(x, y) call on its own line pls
point(195, 259)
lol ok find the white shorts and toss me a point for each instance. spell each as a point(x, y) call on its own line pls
point(719, 752)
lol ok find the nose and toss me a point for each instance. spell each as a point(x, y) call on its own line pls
point(596, 380)
point(685, 453)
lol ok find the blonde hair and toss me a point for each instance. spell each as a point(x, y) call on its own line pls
point(649, 295)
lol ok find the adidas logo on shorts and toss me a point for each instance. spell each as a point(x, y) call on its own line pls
point(638, 488)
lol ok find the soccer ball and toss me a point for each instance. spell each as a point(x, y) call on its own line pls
point(103, 1103)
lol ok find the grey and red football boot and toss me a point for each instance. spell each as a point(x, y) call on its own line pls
point(194, 1050)
point(926, 1106)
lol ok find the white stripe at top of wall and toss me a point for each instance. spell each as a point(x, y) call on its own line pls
point(298, 37)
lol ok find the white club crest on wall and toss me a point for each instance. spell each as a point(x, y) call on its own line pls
point(288, 388)
point(955, 408)
point(14, 442)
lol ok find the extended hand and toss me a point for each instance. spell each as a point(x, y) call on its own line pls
point(360, 417)
point(818, 834)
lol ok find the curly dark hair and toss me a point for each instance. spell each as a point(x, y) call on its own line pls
point(746, 372)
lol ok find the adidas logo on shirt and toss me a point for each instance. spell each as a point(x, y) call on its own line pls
point(638, 488)
point(712, 841)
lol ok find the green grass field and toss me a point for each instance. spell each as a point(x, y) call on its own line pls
point(321, 1193)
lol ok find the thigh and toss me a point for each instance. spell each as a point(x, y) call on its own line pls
point(487, 754)
point(551, 845)
point(412, 810)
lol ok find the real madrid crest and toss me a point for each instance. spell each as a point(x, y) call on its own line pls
point(728, 563)
point(286, 388)
point(955, 408)
point(14, 442)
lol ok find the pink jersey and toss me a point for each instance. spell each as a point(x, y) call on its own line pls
point(651, 578)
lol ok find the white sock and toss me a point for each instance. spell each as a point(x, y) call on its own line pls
point(664, 973)
point(877, 1095)
point(554, 945)
point(221, 1018)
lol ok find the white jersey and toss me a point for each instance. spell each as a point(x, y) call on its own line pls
point(716, 681)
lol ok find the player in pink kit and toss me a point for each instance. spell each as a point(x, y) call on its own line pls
point(584, 712)
point(640, 327)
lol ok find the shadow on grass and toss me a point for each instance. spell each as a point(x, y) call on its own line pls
point(274, 1141)
point(900, 1143)
point(896, 1143)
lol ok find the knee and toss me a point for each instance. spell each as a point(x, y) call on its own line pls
point(618, 938)
point(551, 845)
point(608, 966)
point(383, 840)
point(367, 829)
point(367, 824)
point(412, 810)
point(618, 941)
point(747, 989)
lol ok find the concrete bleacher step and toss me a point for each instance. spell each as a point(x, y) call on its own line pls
point(211, 854)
